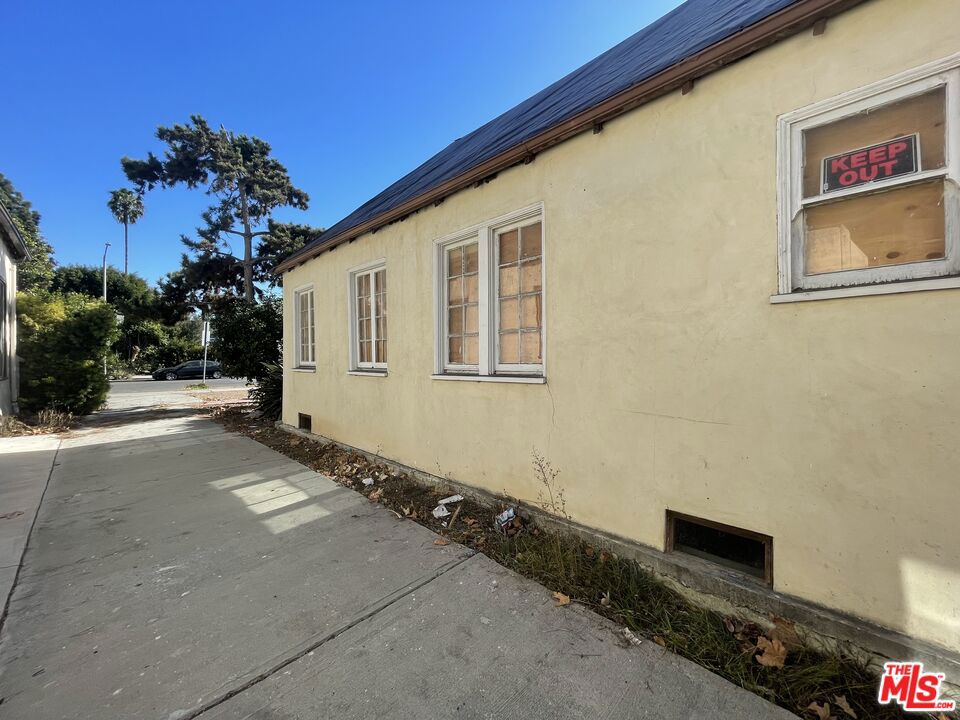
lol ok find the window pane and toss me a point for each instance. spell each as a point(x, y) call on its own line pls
point(456, 350)
point(530, 276)
point(509, 281)
point(889, 228)
point(381, 351)
point(381, 328)
point(530, 347)
point(471, 350)
point(455, 321)
point(509, 314)
point(530, 311)
point(471, 290)
point(471, 323)
point(381, 281)
point(509, 247)
point(455, 291)
point(365, 351)
point(364, 331)
point(471, 261)
point(454, 262)
point(530, 241)
point(510, 348)
point(923, 114)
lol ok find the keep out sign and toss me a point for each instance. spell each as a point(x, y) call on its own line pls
point(870, 164)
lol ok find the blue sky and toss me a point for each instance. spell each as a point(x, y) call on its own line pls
point(350, 95)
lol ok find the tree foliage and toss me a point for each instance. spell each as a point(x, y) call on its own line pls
point(206, 279)
point(129, 294)
point(247, 338)
point(247, 185)
point(63, 340)
point(35, 272)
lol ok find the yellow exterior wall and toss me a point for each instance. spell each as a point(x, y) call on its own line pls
point(672, 382)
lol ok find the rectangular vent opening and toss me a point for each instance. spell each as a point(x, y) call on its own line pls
point(745, 551)
point(304, 422)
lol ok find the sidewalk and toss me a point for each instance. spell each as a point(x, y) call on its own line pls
point(25, 464)
point(178, 571)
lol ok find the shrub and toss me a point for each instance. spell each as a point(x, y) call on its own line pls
point(63, 340)
point(268, 394)
point(247, 337)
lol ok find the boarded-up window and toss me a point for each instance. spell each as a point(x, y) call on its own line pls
point(370, 324)
point(520, 295)
point(304, 318)
point(873, 191)
point(463, 298)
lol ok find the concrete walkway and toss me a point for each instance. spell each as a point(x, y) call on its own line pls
point(178, 571)
point(25, 465)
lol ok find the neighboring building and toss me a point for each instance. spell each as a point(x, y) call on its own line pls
point(12, 251)
point(712, 276)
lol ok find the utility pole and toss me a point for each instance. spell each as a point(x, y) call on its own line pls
point(105, 247)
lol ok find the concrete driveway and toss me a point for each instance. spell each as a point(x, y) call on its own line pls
point(176, 571)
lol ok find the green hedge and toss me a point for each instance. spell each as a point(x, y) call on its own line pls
point(63, 340)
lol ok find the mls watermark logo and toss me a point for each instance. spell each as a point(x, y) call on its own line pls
point(912, 688)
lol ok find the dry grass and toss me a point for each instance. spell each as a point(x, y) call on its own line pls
point(46, 422)
point(596, 577)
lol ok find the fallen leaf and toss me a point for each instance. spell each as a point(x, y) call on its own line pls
point(786, 632)
point(441, 541)
point(589, 552)
point(376, 495)
point(560, 599)
point(821, 711)
point(605, 600)
point(659, 641)
point(841, 701)
point(729, 625)
point(773, 654)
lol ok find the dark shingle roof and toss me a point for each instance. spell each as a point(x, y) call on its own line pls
point(690, 28)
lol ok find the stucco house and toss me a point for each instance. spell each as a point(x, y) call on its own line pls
point(713, 276)
point(12, 251)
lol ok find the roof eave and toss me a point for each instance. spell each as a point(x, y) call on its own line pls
point(768, 31)
point(11, 236)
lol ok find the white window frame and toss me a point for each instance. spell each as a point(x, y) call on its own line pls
point(485, 235)
point(298, 295)
point(931, 274)
point(371, 269)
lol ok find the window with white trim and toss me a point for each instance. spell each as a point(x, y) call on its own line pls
point(368, 318)
point(304, 314)
point(4, 322)
point(490, 298)
point(868, 191)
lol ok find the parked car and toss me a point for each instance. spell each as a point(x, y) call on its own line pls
point(189, 369)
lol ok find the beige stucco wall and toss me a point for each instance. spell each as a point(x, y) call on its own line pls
point(672, 381)
point(8, 385)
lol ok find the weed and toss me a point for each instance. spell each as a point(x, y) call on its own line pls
point(197, 386)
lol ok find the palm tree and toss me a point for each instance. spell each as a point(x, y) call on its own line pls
point(127, 208)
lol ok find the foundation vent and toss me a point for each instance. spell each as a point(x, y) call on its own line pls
point(745, 551)
point(304, 422)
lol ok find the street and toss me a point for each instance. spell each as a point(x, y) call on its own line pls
point(146, 385)
point(177, 571)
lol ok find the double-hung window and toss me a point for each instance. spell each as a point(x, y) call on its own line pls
point(490, 299)
point(368, 318)
point(868, 193)
point(304, 314)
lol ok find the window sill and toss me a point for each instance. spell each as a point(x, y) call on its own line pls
point(863, 290)
point(367, 373)
point(304, 369)
point(527, 379)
